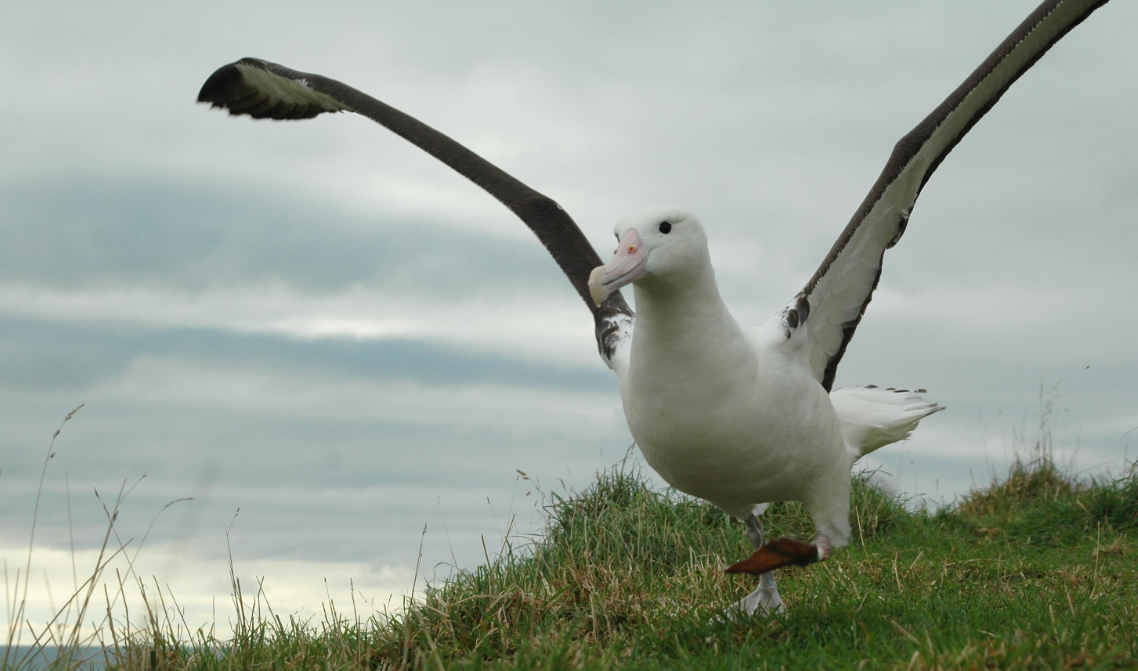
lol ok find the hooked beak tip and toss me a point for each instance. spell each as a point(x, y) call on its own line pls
point(596, 285)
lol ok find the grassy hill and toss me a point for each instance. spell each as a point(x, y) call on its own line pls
point(1039, 571)
point(1035, 572)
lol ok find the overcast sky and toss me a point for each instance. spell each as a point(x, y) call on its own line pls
point(320, 325)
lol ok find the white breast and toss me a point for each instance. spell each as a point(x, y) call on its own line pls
point(724, 421)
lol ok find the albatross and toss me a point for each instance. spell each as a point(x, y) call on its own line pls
point(740, 416)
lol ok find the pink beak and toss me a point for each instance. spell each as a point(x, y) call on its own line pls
point(626, 267)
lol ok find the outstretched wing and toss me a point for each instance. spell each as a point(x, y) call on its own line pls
point(265, 90)
point(834, 300)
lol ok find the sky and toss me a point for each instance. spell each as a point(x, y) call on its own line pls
point(319, 326)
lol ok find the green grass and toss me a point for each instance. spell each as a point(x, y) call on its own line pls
point(1037, 571)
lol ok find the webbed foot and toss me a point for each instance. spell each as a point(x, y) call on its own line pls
point(764, 600)
point(779, 553)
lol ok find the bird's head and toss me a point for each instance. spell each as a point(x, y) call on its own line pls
point(662, 246)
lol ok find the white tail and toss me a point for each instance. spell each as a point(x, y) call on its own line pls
point(873, 417)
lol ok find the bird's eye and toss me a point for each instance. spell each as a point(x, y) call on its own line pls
point(665, 227)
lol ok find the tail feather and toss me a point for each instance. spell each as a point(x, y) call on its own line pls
point(873, 417)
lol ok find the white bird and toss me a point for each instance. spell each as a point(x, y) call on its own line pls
point(737, 416)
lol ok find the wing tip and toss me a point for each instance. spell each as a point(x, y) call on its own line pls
point(262, 90)
point(220, 85)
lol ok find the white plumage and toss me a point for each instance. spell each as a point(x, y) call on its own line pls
point(730, 414)
point(872, 417)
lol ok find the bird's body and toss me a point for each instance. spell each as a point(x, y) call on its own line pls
point(740, 416)
point(763, 430)
point(722, 412)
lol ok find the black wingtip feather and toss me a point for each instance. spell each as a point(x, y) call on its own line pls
point(227, 89)
point(224, 86)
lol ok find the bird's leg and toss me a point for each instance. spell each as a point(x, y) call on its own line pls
point(822, 545)
point(765, 598)
point(754, 530)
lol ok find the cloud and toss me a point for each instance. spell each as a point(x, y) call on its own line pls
point(202, 588)
point(295, 432)
point(109, 234)
point(80, 358)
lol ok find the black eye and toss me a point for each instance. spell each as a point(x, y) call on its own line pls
point(665, 227)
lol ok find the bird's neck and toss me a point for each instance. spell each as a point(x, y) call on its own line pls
point(685, 332)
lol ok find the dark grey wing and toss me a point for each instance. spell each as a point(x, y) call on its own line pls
point(265, 90)
point(834, 300)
